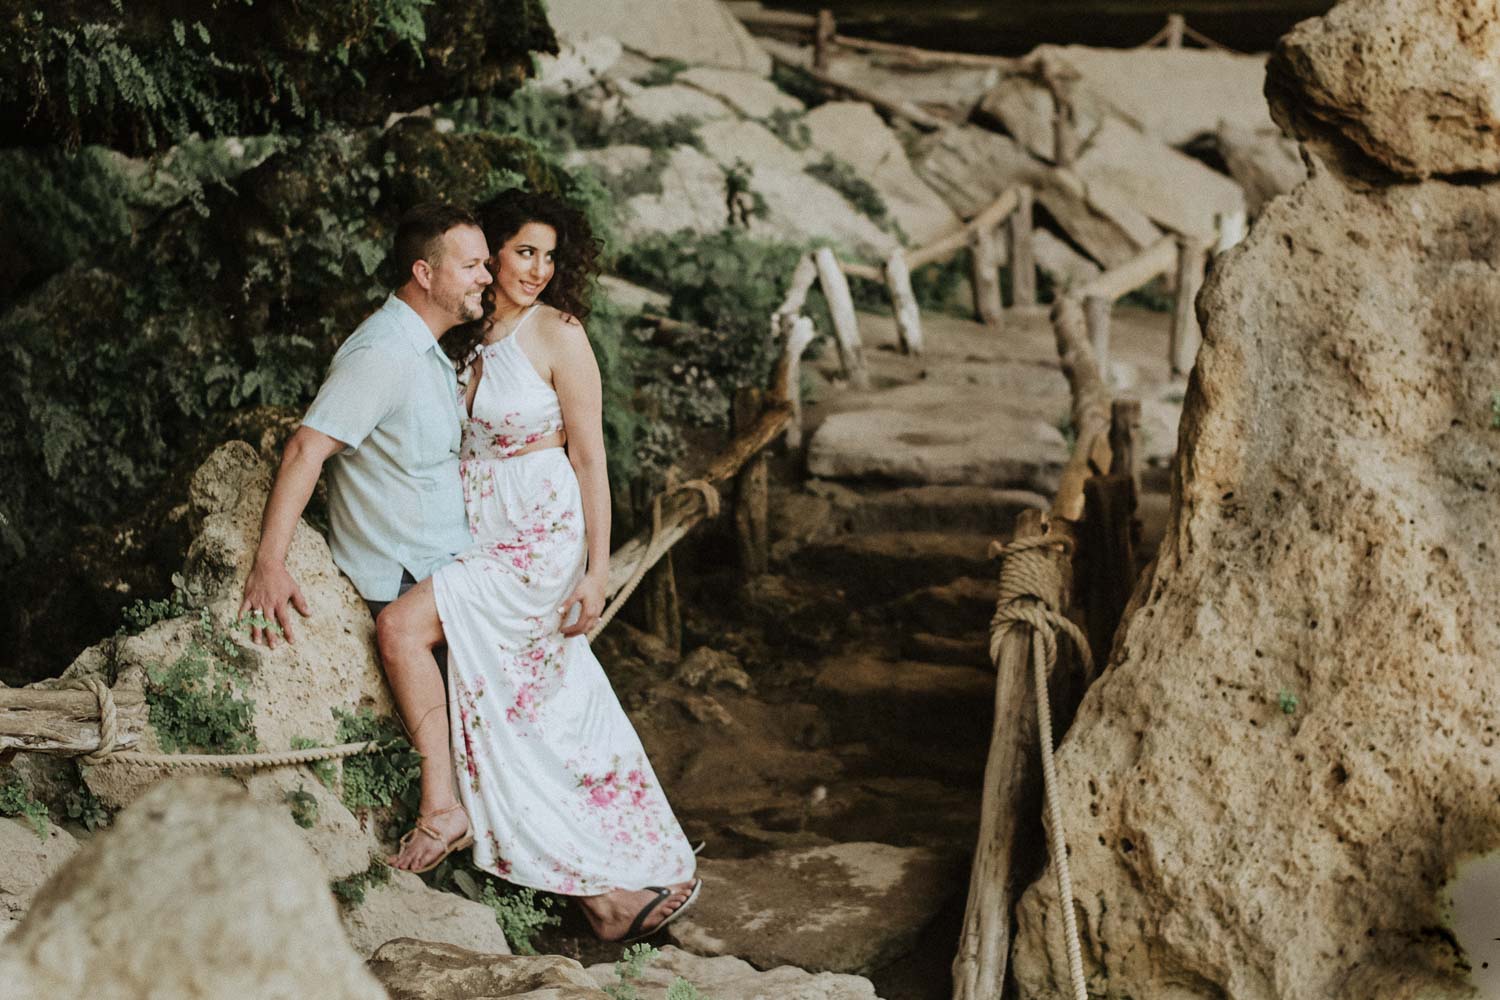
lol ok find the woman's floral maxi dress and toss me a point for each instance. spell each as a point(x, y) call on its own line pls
point(556, 784)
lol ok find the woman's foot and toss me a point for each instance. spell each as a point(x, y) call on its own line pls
point(435, 836)
point(612, 914)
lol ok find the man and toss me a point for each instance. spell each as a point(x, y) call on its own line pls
point(386, 422)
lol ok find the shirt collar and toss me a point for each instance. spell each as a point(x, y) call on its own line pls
point(416, 330)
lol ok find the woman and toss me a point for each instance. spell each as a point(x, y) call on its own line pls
point(556, 787)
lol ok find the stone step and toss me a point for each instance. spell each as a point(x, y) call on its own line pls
point(876, 700)
point(972, 509)
point(874, 568)
point(959, 608)
point(968, 651)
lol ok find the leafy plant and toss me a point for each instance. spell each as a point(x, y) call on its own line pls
point(389, 775)
point(628, 969)
point(352, 889)
point(16, 800)
point(304, 806)
point(85, 809)
point(663, 72)
point(857, 191)
point(197, 703)
point(1286, 701)
point(790, 127)
point(326, 771)
point(741, 201)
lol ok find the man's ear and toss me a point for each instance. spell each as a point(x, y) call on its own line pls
point(421, 271)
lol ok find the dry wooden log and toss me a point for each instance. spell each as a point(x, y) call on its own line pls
point(1107, 548)
point(1192, 255)
point(823, 34)
point(1124, 429)
point(1011, 777)
point(1158, 258)
point(65, 722)
point(990, 217)
point(663, 608)
point(751, 492)
point(988, 308)
point(1090, 410)
point(787, 380)
point(803, 276)
point(1096, 310)
point(867, 271)
point(899, 109)
point(912, 54)
point(1175, 24)
point(903, 303)
point(1022, 254)
point(752, 16)
point(845, 323)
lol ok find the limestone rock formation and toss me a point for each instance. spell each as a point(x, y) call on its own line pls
point(194, 892)
point(26, 861)
point(412, 969)
point(1293, 748)
point(1409, 83)
point(696, 31)
point(845, 908)
point(727, 978)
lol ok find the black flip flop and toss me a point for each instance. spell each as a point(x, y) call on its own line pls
point(663, 893)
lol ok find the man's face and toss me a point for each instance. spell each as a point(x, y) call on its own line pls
point(459, 275)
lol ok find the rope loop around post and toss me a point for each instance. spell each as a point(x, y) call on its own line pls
point(109, 722)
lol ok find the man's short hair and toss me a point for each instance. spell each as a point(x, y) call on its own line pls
point(419, 235)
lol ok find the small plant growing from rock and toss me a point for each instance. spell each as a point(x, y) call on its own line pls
point(17, 801)
point(857, 191)
point(663, 72)
point(351, 890)
point(196, 702)
point(1495, 409)
point(519, 912)
point(83, 808)
point(324, 770)
point(387, 776)
point(790, 127)
point(304, 806)
point(1286, 701)
point(628, 969)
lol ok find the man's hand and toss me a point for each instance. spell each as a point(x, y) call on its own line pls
point(589, 596)
point(270, 594)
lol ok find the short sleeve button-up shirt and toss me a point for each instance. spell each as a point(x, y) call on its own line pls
point(394, 498)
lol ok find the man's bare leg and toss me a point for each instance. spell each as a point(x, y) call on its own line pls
point(408, 631)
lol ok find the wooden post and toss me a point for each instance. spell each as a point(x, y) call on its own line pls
point(823, 40)
point(1096, 310)
point(988, 308)
point(1192, 254)
point(1124, 427)
point(751, 502)
point(903, 303)
point(845, 325)
point(1022, 257)
point(1175, 24)
point(1010, 783)
point(64, 721)
point(799, 334)
point(663, 611)
point(1064, 123)
point(1230, 227)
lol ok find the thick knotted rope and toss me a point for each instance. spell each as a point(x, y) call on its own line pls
point(1029, 583)
point(710, 495)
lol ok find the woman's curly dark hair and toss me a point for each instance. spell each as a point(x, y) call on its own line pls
point(576, 258)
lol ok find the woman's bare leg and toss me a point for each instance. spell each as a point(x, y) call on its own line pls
point(612, 913)
point(408, 631)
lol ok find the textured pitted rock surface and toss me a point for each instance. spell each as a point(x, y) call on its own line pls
point(702, 32)
point(728, 978)
point(1410, 83)
point(194, 892)
point(423, 970)
point(26, 861)
point(850, 907)
point(1332, 540)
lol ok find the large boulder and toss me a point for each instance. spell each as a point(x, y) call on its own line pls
point(750, 94)
point(852, 132)
point(1292, 750)
point(1265, 164)
point(413, 969)
point(1410, 84)
point(851, 907)
point(729, 978)
point(194, 892)
point(27, 860)
point(702, 32)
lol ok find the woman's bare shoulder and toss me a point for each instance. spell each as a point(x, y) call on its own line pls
point(559, 328)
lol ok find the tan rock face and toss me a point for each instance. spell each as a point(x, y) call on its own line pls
point(424, 970)
point(1295, 743)
point(195, 892)
point(1410, 83)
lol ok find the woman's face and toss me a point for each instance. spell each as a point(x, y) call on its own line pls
point(523, 265)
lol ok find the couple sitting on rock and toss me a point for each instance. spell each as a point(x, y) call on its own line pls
point(462, 430)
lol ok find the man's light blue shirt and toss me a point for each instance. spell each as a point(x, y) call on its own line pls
point(394, 498)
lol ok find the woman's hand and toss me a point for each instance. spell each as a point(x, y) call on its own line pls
point(589, 596)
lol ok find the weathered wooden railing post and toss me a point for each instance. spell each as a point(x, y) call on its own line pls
point(1096, 311)
point(1192, 255)
point(1108, 530)
point(1175, 25)
point(751, 500)
point(903, 303)
point(988, 307)
point(1022, 254)
point(845, 324)
point(823, 39)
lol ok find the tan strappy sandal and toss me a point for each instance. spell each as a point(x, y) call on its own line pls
point(465, 840)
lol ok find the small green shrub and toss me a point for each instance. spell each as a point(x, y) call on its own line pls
point(351, 891)
point(741, 201)
point(17, 801)
point(857, 191)
point(628, 969)
point(663, 72)
point(304, 807)
point(83, 808)
point(326, 771)
point(387, 777)
point(681, 989)
point(197, 703)
point(1287, 701)
point(790, 127)
point(519, 915)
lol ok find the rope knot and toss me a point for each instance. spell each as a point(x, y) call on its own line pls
point(109, 723)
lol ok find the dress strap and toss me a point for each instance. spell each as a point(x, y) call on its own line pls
point(516, 333)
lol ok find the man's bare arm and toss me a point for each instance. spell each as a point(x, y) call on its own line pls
point(270, 590)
